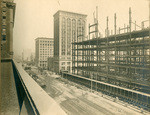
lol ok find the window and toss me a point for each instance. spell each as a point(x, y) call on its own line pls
point(4, 22)
point(68, 68)
point(4, 15)
point(62, 63)
point(3, 31)
point(62, 68)
point(68, 63)
point(4, 9)
point(3, 4)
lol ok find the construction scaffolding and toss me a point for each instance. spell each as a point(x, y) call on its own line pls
point(122, 59)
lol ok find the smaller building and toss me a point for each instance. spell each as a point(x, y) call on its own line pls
point(43, 50)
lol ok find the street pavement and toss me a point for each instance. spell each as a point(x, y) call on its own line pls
point(78, 100)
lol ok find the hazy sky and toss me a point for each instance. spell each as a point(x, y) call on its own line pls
point(34, 18)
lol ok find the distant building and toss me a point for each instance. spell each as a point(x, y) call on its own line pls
point(32, 56)
point(68, 26)
point(27, 54)
point(43, 50)
point(7, 24)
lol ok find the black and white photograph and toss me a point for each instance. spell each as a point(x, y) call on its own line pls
point(75, 57)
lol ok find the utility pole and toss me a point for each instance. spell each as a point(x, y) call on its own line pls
point(115, 26)
point(130, 19)
point(97, 41)
point(107, 31)
point(96, 21)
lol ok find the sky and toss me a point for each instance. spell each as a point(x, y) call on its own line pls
point(34, 18)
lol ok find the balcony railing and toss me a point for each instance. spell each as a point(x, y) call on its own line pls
point(32, 99)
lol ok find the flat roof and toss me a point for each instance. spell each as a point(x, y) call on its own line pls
point(43, 38)
point(69, 12)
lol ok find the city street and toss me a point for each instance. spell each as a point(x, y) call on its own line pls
point(75, 57)
point(78, 100)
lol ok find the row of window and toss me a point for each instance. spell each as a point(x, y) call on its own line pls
point(63, 63)
point(46, 44)
point(63, 44)
point(3, 5)
point(80, 30)
point(43, 65)
point(68, 37)
point(43, 61)
point(43, 57)
point(46, 41)
point(46, 54)
point(68, 68)
point(46, 49)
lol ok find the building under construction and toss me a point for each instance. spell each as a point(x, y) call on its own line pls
point(117, 64)
point(120, 59)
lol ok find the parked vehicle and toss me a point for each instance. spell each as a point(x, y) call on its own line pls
point(27, 68)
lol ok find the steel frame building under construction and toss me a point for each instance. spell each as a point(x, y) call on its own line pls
point(119, 59)
point(122, 59)
point(117, 64)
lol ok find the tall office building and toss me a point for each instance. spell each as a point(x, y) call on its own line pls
point(68, 27)
point(7, 23)
point(43, 50)
point(8, 92)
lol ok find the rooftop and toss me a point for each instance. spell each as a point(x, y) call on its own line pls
point(69, 12)
point(39, 38)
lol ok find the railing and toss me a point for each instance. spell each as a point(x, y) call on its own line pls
point(32, 98)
